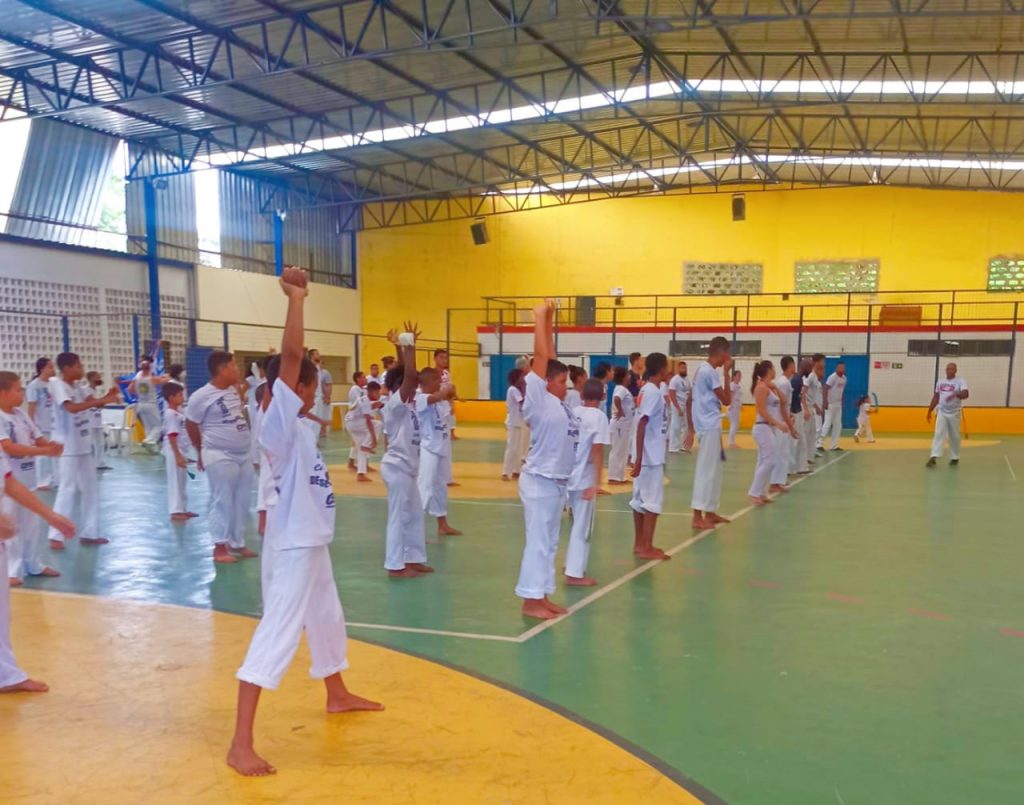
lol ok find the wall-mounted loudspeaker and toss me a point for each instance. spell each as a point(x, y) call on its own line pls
point(739, 207)
point(479, 232)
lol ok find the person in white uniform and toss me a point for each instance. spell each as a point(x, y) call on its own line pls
point(806, 423)
point(585, 481)
point(574, 394)
point(177, 452)
point(678, 394)
point(786, 437)
point(514, 426)
point(835, 387)
point(23, 443)
point(221, 437)
point(649, 465)
point(442, 362)
point(735, 407)
point(864, 411)
point(299, 594)
point(355, 393)
point(949, 396)
point(73, 405)
point(544, 482)
point(436, 451)
point(144, 387)
point(623, 410)
point(14, 492)
point(362, 429)
point(40, 408)
point(375, 376)
point(94, 382)
point(324, 393)
point(704, 416)
point(405, 547)
point(769, 420)
point(816, 397)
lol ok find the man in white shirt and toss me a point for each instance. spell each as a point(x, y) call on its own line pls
point(355, 393)
point(514, 425)
point(585, 480)
point(300, 593)
point(704, 419)
point(649, 466)
point(324, 391)
point(835, 386)
point(220, 434)
point(678, 394)
point(73, 404)
point(783, 438)
point(544, 482)
point(949, 396)
point(144, 386)
point(816, 399)
point(375, 376)
point(40, 408)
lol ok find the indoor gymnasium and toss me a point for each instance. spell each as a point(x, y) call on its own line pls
point(495, 401)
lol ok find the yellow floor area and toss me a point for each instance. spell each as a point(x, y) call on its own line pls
point(142, 704)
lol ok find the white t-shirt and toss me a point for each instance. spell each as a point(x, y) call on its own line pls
point(71, 430)
point(865, 409)
point(402, 426)
point(554, 431)
point(97, 413)
point(253, 382)
point(378, 379)
point(38, 392)
point(815, 396)
point(174, 425)
point(706, 407)
point(681, 386)
point(218, 412)
point(20, 429)
point(303, 516)
point(628, 403)
point(785, 389)
point(651, 404)
point(354, 394)
point(736, 400)
point(513, 407)
point(145, 389)
point(324, 379)
point(593, 430)
point(573, 399)
point(947, 390)
point(359, 409)
point(434, 426)
point(836, 386)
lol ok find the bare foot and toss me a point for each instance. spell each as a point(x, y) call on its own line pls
point(618, 483)
point(179, 517)
point(717, 519)
point(44, 488)
point(49, 572)
point(756, 501)
point(93, 541)
point(28, 686)
point(603, 491)
point(14, 581)
point(534, 608)
point(350, 703)
point(580, 581)
point(553, 607)
point(701, 524)
point(245, 553)
point(448, 531)
point(419, 567)
point(779, 489)
point(351, 464)
point(222, 556)
point(246, 762)
point(405, 573)
point(505, 478)
point(453, 483)
point(363, 478)
point(652, 553)
point(56, 545)
point(191, 514)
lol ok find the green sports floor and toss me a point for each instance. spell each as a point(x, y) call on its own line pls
point(860, 641)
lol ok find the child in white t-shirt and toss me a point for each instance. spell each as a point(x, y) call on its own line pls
point(649, 466)
point(585, 481)
point(355, 393)
point(574, 394)
point(177, 453)
point(436, 451)
point(864, 412)
point(99, 436)
point(144, 386)
point(299, 593)
point(514, 425)
point(362, 429)
point(40, 408)
point(623, 410)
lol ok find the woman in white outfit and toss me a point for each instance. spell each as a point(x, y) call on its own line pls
point(735, 407)
point(768, 420)
point(514, 425)
point(623, 410)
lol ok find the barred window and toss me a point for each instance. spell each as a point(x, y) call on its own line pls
point(836, 276)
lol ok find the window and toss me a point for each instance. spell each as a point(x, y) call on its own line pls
point(1006, 274)
point(740, 349)
point(837, 276)
point(966, 348)
point(709, 279)
point(207, 190)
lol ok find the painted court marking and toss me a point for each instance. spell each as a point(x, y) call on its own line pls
point(1009, 466)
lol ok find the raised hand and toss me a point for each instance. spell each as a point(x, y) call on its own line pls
point(392, 336)
point(294, 282)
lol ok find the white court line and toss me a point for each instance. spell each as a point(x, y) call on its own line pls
point(682, 546)
point(1009, 466)
point(440, 632)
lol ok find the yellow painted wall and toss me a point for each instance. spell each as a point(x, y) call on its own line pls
point(925, 239)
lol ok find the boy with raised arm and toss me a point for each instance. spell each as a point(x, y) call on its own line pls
point(544, 482)
point(436, 451)
point(299, 590)
point(585, 482)
point(704, 418)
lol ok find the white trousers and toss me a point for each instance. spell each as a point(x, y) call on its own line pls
point(833, 426)
point(230, 481)
point(24, 549)
point(819, 432)
point(10, 673)
point(619, 453)
point(805, 443)
point(783, 442)
point(707, 474)
point(579, 537)
point(360, 435)
point(406, 541)
point(78, 477)
point(513, 450)
point(864, 427)
point(543, 502)
point(176, 485)
point(947, 427)
point(734, 424)
point(767, 459)
point(45, 475)
point(432, 482)
point(99, 446)
point(677, 430)
point(299, 595)
point(149, 416)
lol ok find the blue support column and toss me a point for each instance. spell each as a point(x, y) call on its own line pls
point(65, 333)
point(136, 350)
point(152, 262)
point(278, 242)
